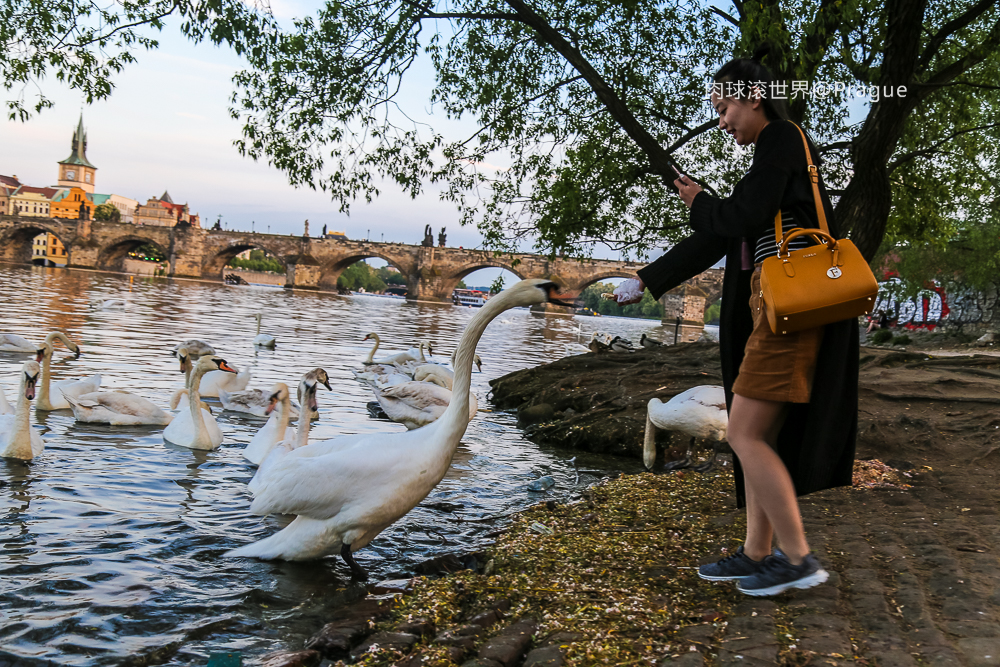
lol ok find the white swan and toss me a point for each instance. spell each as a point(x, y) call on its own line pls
point(263, 340)
point(209, 386)
point(52, 395)
point(347, 490)
point(118, 408)
point(416, 404)
point(5, 408)
point(195, 347)
point(307, 395)
point(400, 357)
point(15, 343)
point(275, 430)
point(17, 439)
point(699, 412)
point(194, 427)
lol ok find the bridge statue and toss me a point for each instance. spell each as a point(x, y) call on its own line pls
point(84, 213)
point(306, 232)
point(428, 241)
point(442, 237)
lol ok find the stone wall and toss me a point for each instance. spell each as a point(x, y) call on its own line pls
point(258, 277)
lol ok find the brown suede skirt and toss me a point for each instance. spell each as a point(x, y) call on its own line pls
point(776, 367)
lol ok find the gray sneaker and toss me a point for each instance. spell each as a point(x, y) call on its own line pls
point(737, 566)
point(776, 575)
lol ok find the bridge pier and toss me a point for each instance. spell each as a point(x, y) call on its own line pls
point(302, 272)
point(186, 252)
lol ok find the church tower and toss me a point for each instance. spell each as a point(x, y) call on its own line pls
point(76, 170)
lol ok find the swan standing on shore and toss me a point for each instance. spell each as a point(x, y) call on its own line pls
point(17, 439)
point(347, 490)
point(699, 412)
point(52, 395)
point(15, 343)
point(263, 340)
point(194, 427)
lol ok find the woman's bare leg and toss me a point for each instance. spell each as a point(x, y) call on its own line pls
point(753, 424)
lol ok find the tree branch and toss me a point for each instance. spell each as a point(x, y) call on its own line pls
point(726, 16)
point(950, 28)
point(659, 159)
point(976, 55)
point(691, 134)
point(906, 157)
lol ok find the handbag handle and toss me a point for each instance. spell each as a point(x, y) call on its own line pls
point(820, 236)
point(814, 179)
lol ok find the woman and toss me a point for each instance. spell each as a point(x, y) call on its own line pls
point(790, 435)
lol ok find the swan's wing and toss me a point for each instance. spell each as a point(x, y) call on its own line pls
point(77, 388)
point(420, 395)
point(376, 468)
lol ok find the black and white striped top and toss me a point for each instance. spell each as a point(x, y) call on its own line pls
point(767, 247)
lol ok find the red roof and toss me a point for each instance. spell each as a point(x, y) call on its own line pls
point(9, 181)
point(48, 193)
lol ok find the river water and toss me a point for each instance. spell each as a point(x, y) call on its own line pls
point(110, 541)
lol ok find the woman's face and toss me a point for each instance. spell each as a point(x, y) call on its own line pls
point(741, 118)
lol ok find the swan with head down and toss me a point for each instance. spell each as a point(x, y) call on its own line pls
point(345, 491)
point(398, 358)
point(52, 395)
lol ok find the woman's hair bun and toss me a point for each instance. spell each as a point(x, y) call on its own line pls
point(760, 52)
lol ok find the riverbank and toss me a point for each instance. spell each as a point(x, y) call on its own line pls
point(913, 404)
point(610, 579)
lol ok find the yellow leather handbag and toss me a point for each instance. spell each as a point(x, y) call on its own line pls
point(813, 286)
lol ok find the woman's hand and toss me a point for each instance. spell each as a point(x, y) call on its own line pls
point(687, 190)
point(642, 289)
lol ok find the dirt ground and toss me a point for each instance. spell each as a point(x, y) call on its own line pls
point(915, 408)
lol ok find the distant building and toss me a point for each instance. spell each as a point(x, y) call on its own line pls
point(8, 184)
point(28, 201)
point(76, 170)
point(67, 203)
point(126, 207)
point(48, 250)
point(163, 212)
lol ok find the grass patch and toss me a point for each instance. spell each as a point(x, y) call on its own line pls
point(619, 569)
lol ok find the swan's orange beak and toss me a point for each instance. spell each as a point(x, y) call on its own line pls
point(366, 337)
point(39, 355)
point(223, 366)
point(271, 404)
point(567, 300)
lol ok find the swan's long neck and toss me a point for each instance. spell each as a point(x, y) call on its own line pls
point(423, 359)
point(258, 324)
point(43, 390)
point(305, 418)
point(285, 414)
point(194, 404)
point(371, 355)
point(456, 417)
point(20, 441)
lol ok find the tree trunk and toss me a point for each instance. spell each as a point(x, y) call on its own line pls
point(865, 205)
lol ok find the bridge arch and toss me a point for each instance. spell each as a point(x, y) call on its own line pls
point(16, 240)
point(215, 265)
point(448, 283)
point(332, 270)
point(114, 253)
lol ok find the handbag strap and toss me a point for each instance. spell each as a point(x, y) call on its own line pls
point(814, 179)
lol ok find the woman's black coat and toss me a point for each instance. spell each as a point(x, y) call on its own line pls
point(818, 439)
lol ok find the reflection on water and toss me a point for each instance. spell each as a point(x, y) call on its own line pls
point(110, 542)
